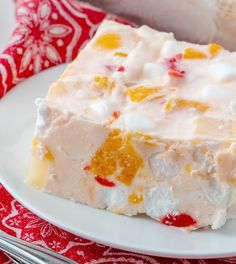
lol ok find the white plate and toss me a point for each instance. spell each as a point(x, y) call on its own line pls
point(138, 234)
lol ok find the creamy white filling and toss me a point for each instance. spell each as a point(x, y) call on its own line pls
point(217, 193)
point(159, 201)
point(41, 151)
point(219, 219)
point(161, 167)
point(115, 198)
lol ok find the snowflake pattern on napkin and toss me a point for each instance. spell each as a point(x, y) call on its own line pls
point(47, 33)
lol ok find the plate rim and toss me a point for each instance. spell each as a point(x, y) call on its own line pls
point(135, 250)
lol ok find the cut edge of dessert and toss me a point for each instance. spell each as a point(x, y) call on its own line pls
point(142, 123)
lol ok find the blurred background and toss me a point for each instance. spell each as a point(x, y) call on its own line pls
point(199, 21)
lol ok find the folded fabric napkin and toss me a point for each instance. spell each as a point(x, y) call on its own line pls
point(47, 33)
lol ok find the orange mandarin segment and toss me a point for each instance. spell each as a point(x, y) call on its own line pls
point(180, 103)
point(147, 139)
point(108, 41)
point(121, 54)
point(232, 181)
point(191, 53)
point(57, 90)
point(129, 162)
point(104, 162)
point(169, 105)
point(34, 142)
point(139, 93)
point(117, 156)
point(143, 136)
point(188, 169)
point(204, 149)
point(104, 82)
point(135, 198)
point(48, 154)
point(214, 49)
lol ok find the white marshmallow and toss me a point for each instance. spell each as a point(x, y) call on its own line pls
point(137, 122)
point(222, 72)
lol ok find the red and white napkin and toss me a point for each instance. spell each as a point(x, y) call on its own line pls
point(47, 33)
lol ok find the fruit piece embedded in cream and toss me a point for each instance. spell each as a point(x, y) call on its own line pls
point(142, 123)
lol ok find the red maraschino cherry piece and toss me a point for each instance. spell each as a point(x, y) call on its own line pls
point(121, 69)
point(176, 73)
point(116, 114)
point(104, 182)
point(180, 220)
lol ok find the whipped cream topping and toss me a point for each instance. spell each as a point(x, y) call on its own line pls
point(170, 48)
point(149, 59)
point(42, 115)
point(222, 72)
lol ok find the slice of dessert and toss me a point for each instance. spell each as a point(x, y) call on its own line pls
point(142, 123)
